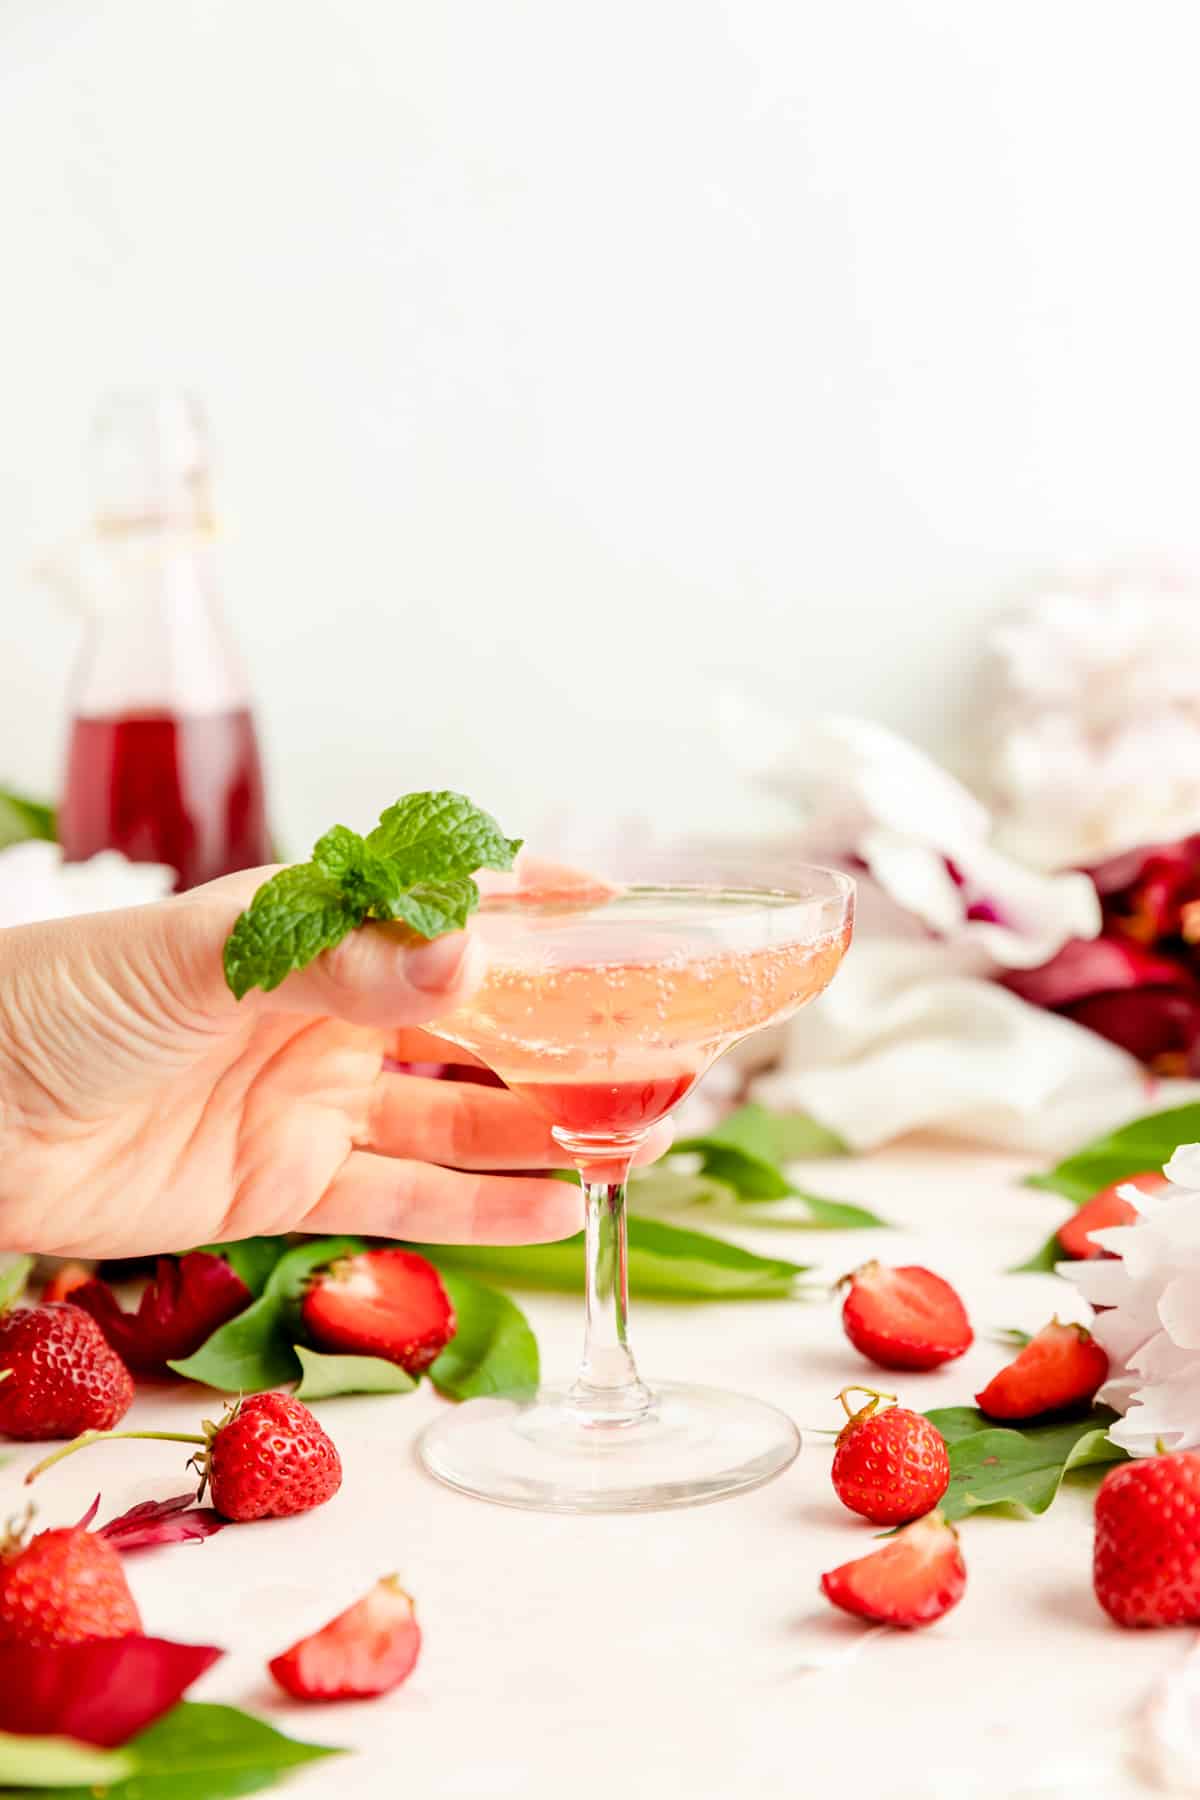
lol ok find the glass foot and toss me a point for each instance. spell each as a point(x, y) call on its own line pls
point(693, 1444)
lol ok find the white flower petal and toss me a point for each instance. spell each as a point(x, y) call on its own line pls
point(1171, 1727)
point(1184, 1167)
point(1179, 1310)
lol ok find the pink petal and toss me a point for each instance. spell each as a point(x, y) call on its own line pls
point(181, 1307)
point(103, 1691)
point(154, 1522)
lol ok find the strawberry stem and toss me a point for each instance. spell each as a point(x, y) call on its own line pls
point(96, 1437)
point(874, 1396)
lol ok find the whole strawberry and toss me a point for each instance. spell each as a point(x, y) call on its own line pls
point(889, 1466)
point(1146, 1565)
point(63, 1587)
point(267, 1458)
point(270, 1458)
point(906, 1318)
point(60, 1375)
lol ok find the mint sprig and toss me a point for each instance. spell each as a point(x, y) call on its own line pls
point(416, 866)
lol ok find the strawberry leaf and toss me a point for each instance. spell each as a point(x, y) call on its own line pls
point(154, 1522)
point(744, 1152)
point(252, 1259)
point(180, 1308)
point(493, 1350)
point(1017, 1467)
point(665, 1262)
point(101, 1691)
point(13, 1277)
point(42, 1762)
point(323, 1377)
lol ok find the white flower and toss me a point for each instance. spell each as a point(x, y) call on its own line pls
point(1088, 739)
point(1150, 1322)
point(35, 883)
point(872, 799)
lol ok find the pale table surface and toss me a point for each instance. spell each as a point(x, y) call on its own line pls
point(671, 1654)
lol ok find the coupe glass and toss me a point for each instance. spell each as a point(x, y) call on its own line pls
point(603, 1008)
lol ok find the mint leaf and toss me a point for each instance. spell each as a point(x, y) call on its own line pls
point(415, 866)
point(493, 1350)
point(665, 1262)
point(432, 907)
point(323, 1377)
point(1023, 1468)
point(13, 1277)
point(431, 836)
point(291, 919)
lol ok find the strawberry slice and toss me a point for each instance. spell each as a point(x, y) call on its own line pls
point(1062, 1366)
point(1102, 1210)
point(388, 1303)
point(366, 1650)
point(916, 1577)
point(906, 1318)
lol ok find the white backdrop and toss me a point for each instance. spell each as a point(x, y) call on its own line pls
point(569, 360)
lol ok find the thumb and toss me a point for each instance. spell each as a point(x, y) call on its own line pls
point(379, 975)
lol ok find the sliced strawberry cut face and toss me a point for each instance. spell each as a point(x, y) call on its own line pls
point(1061, 1367)
point(906, 1318)
point(368, 1649)
point(914, 1579)
point(1102, 1210)
point(388, 1303)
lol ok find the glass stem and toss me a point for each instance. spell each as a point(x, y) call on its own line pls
point(607, 1390)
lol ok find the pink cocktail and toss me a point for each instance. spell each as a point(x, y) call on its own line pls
point(603, 1009)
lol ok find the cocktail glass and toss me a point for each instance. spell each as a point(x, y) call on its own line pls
point(603, 1008)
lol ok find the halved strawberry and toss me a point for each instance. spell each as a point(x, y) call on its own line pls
point(916, 1577)
point(366, 1650)
point(388, 1303)
point(1102, 1210)
point(1062, 1366)
point(906, 1318)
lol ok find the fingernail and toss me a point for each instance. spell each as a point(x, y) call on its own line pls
point(439, 963)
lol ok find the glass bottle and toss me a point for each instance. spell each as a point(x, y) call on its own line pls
point(163, 761)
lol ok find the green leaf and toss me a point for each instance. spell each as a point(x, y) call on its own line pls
point(838, 1215)
point(795, 1136)
point(251, 1259)
point(432, 907)
point(1024, 1468)
point(250, 1352)
point(13, 1277)
point(1147, 1143)
point(493, 1350)
point(663, 1188)
point(431, 837)
point(291, 919)
point(37, 1763)
point(22, 819)
point(325, 1376)
point(1044, 1260)
point(665, 1262)
point(742, 1153)
point(368, 881)
point(253, 1350)
point(196, 1752)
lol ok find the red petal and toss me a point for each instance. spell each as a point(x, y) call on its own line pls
point(102, 1691)
point(1151, 1023)
point(179, 1310)
point(153, 1522)
point(1103, 965)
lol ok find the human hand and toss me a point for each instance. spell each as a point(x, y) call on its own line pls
point(143, 1109)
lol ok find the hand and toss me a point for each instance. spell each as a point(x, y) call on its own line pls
point(143, 1109)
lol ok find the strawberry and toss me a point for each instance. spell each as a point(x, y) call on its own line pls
point(63, 1587)
point(66, 1278)
point(366, 1650)
point(388, 1303)
point(266, 1459)
point(890, 1466)
point(270, 1458)
point(907, 1318)
point(1062, 1366)
point(916, 1577)
point(60, 1375)
point(1146, 1566)
point(1104, 1209)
